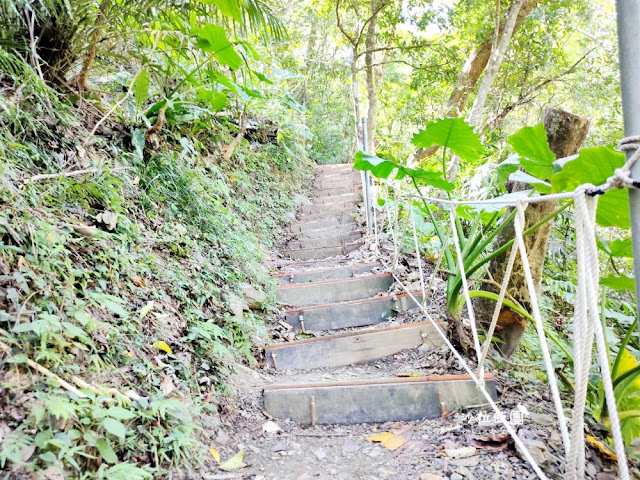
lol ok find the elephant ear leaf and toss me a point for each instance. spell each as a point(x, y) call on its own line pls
point(535, 155)
point(384, 167)
point(595, 165)
point(453, 133)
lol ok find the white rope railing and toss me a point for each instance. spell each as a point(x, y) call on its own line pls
point(586, 319)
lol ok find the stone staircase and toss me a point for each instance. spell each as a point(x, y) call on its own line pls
point(326, 290)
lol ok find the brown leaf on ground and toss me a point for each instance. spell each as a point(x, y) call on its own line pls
point(496, 442)
point(167, 385)
point(393, 439)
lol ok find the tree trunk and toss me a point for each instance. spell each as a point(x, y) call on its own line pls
point(355, 94)
point(566, 133)
point(372, 110)
point(471, 72)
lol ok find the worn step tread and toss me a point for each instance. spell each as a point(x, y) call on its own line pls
point(378, 400)
point(334, 290)
point(329, 241)
point(318, 274)
point(354, 313)
point(328, 231)
point(350, 348)
point(321, 253)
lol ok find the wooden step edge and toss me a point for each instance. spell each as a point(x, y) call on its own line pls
point(334, 280)
point(314, 270)
point(368, 331)
point(294, 310)
point(319, 249)
point(445, 377)
point(297, 224)
point(294, 235)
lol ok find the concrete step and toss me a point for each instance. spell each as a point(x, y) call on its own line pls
point(333, 241)
point(351, 348)
point(321, 253)
point(357, 313)
point(329, 231)
point(339, 290)
point(331, 191)
point(321, 223)
point(333, 167)
point(329, 208)
point(320, 274)
point(307, 217)
point(337, 199)
point(383, 400)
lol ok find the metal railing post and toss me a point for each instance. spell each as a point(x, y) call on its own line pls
point(628, 12)
point(366, 183)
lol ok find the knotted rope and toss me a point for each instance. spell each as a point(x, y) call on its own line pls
point(586, 319)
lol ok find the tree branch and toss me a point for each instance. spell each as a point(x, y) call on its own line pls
point(344, 32)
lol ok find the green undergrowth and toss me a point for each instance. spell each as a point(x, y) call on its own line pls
point(123, 278)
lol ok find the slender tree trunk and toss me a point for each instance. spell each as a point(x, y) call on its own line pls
point(566, 133)
point(471, 72)
point(355, 94)
point(494, 63)
point(229, 150)
point(370, 44)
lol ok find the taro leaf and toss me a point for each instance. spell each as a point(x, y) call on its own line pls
point(535, 155)
point(141, 86)
point(114, 427)
point(213, 39)
point(524, 177)
point(592, 165)
point(620, 283)
point(507, 167)
point(621, 248)
point(383, 168)
point(595, 165)
point(106, 452)
point(453, 133)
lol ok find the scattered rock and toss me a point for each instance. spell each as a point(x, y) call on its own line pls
point(236, 305)
point(253, 297)
point(279, 447)
point(320, 454)
point(351, 445)
point(538, 450)
point(271, 427)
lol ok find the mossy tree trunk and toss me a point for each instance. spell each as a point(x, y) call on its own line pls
point(566, 133)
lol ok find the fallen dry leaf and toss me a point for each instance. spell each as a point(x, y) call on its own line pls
point(234, 462)
point(394, 439)
point(496, 442)
point(463, 452)
point(215, 454)
point(602, 448)
point(167, 385)
point(162, 345)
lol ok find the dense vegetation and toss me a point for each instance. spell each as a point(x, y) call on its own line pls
point(148, 156)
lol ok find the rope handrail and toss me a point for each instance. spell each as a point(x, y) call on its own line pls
point(586, 319)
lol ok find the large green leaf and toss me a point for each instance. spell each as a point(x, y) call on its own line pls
point(619, 282)
point(141, 86)
point(453, 133)
point(595, 165)
point(114, 427)
point(535, 155)
point(106, 451)
point(383, 168)
point(213, 39)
